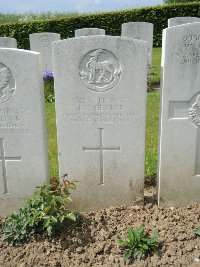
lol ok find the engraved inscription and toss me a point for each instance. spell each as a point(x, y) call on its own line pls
point(100, 70)
point(188, 51)
point(7, 84)
point(3, 159)
point(14, 120)
point(101, 149)
point(97, 117)
point(44, 39)
point(110, 109)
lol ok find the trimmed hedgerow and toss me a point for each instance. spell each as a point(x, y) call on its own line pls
point(110, 21)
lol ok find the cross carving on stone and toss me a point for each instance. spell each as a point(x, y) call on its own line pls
point(189, 109)
point(101, 149)
point(3, 159)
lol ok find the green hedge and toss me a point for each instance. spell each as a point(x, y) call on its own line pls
point(110, 21)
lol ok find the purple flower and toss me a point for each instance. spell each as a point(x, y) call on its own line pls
point(48, 75)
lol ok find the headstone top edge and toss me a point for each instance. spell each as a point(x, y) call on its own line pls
point(5, 37)
point(40, 33)
point(77, 39)
point(182, 26)
point(89, 29)
point(19, 51)
point(175, 18)
point(138, 22)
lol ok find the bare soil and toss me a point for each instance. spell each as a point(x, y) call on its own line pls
point(91, 243)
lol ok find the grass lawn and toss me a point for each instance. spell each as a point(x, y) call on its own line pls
point(152, 121)
point(52, 139)
point(155, 79)
point(151, 126)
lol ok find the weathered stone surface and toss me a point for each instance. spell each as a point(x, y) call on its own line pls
point(141, 31)
point(42, 43)
point(23, 140)
point(89, 31)
point(179, 148)
point(8, 42)
point(182, 20)
point(100, 89)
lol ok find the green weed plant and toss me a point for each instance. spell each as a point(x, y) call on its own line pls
point(138, 244)
point(45, 211)
point(197, 230)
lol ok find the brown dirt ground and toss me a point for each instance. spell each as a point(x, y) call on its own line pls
point(92, 242)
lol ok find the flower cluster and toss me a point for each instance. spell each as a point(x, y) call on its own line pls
point(47, 75)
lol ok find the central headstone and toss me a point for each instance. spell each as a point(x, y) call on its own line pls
point(179, 157)
point(42, 42)
point(100, 89)
point(23, 139)
point(89, 31)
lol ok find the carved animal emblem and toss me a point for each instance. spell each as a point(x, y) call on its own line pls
point(94, 65)
point(100, 70)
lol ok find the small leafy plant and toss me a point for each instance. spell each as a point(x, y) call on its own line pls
point(45, 211)
point(197, 230)
point(138, 244)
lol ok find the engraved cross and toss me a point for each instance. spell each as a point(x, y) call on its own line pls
point(183, 110)
point(3, 159)
point(101, 149)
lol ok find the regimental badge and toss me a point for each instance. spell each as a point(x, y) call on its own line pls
point(194, 112)
point(100, 70)
point(7, 83)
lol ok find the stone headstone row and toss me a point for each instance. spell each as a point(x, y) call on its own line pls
point(100, 90)
point(96, 105)
point(42, 42)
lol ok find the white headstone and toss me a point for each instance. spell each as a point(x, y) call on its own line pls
point(8, 42)
point(182, 20)
point(89, 31)
point(42, 43)
point(23, 140)
point(141, 31)
point(179, 149)
point(100, 89)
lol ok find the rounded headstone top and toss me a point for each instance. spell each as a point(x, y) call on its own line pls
point(139, 23)
point(89, 31)
point(182, 20)
point(8, 42)
point(130, 28)
point(42, 33)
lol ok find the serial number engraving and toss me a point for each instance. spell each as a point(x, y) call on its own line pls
point(188, 52)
